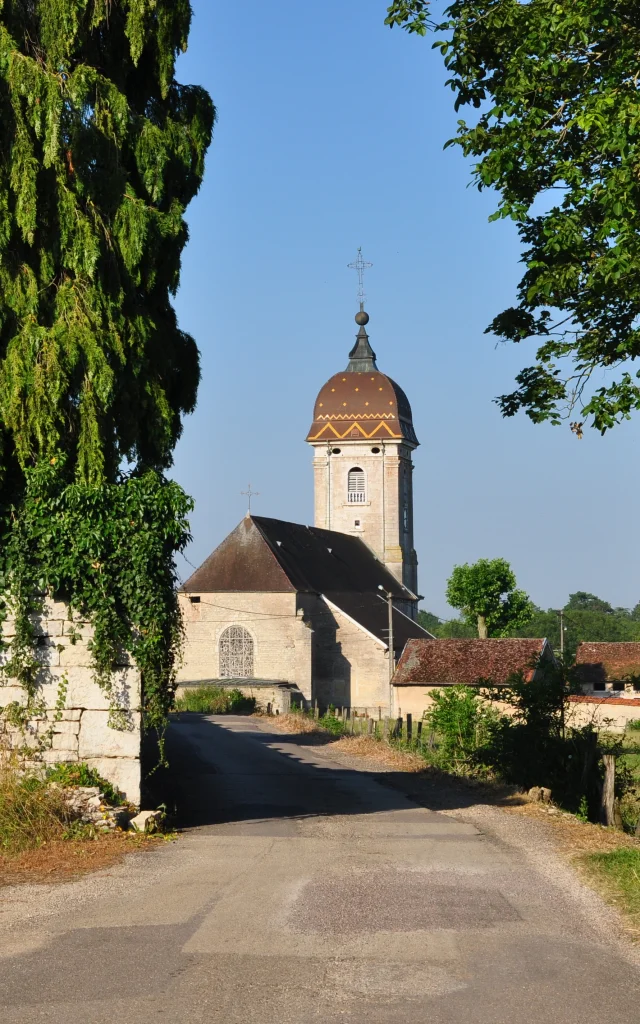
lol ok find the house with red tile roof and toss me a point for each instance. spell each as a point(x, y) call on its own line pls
point(427, 665)
point(609, 674)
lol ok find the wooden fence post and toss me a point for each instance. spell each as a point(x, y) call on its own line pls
point(397, 732)
point(316, 713)
point(607, 809)
point(370, 726)
point(385, 730)
point(419, 732)
point(409, 728)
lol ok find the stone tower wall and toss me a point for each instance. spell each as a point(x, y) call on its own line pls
point(384, 521)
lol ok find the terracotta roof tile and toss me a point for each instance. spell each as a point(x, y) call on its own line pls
point(454, 661)
point(599, 662)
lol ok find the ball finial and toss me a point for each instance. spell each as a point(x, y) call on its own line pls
point(362, 318)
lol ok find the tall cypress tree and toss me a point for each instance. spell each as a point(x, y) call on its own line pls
point(102, 150)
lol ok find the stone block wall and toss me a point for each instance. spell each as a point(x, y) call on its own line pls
point(380, 520)
point(350, 667)
point(84, 732)
point(281, 637)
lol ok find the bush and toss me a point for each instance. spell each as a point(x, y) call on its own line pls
point(30, 812)
point(71, 774)
point(332, 724)
point(463, 723)
point(216, 700)
point(634, 725)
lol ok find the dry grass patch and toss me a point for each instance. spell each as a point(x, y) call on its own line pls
point(63, 860)
point(380, 752)
point(296, 724)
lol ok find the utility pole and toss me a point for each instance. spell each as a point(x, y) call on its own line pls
point(389, 597)
point(560, 612)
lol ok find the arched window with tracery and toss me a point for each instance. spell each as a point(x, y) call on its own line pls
point(355, 485)
point(236, 653)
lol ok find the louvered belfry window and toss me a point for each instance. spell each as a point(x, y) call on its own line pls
point(236, 653)
point(355, 485)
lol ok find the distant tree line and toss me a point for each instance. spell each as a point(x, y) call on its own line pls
point(585, 618)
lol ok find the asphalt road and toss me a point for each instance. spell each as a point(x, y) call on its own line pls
point(306, 891)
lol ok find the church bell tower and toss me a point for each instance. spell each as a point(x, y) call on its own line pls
point(363, 438)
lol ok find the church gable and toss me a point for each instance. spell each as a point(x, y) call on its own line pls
point(244, 562)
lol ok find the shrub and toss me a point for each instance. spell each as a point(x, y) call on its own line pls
point(462, 722)
point(332, 724)
point(216, 700)
point(30, 812)
point(634, 725)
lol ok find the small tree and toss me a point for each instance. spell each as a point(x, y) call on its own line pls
point(486, 595)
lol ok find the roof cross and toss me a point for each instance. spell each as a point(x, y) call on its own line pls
point(250, 494)
point(360, 264)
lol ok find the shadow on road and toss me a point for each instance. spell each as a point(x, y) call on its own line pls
point(226, 770)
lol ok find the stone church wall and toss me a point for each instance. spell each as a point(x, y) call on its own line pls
point(350, 668)
point(83, 732)
point(281, 638)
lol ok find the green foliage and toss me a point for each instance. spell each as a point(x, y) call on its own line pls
point(634, 725)
point(30, 813)
point(216, 700)
point(70, 774)
point(331, 723)
point(618, 873)
point(557, 136)
point(108, 549)
point(450, 628)
point(429, 621)
point(587, 618)
point(535, 744)
point(556, 89)
point(411, 15)
point(103, 150)
point(486, 594)
point(585, 602)
point(583, 621)
point(462, 722)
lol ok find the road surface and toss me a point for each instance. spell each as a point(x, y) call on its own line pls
point(305, 891)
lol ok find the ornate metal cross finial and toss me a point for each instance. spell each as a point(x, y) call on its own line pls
point(360, 264)
point(250, 494)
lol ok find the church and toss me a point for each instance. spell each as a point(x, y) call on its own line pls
point(326, 609)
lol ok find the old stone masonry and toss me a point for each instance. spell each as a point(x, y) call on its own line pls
point(76, 720)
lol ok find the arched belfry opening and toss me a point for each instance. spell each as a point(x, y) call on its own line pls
point(356, 486)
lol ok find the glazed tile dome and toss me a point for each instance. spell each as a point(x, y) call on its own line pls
point(362, 403)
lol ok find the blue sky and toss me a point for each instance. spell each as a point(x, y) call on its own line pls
point(330, 135)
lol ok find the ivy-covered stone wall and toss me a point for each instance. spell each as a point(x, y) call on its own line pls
point(75, 718)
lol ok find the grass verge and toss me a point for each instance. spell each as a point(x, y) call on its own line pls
point(616, 875)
